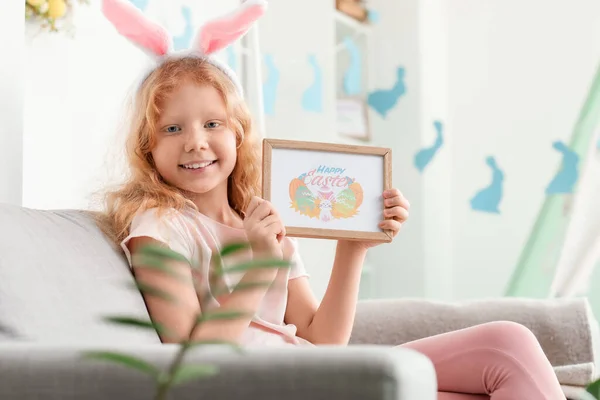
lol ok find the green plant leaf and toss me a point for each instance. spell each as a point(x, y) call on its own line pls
point(199, 343)
point(257, 264)
point(151, 262)
point(594, 389)
point(153, 291)
point(220, 315)
point(233, 248)
point(126, 360)
point(162, 252)
point(137, 323)
point(186, 373)
point(241, 286)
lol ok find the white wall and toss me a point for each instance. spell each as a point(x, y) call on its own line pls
point(438, 177)
point(413, 34)
point(518, 73)
point(399, 266)
point(503, 85)
point(11, 102)
point(72, 108)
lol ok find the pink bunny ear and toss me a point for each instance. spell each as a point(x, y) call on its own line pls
point(133, 24)
point(223, 31)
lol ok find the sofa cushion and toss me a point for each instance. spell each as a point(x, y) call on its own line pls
point(59, 275)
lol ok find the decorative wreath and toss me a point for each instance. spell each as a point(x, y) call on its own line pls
point(49, 12)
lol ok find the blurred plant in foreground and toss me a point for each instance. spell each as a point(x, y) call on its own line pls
point(177, 372)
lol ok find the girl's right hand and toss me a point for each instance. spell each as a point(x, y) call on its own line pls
point(264, 228)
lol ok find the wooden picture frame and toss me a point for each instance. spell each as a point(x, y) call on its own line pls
point(326, 190)
point(352, 118)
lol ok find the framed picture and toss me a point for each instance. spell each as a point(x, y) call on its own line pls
point(352, 118)
point(329, 191)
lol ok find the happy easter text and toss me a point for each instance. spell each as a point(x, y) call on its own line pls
point(326, 176)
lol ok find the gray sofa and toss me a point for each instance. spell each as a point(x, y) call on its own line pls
point(59, 276)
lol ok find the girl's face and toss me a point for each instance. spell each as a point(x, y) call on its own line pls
point(195, 150)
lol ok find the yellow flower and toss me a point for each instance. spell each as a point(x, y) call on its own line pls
point(35, 3)
point(56, 8)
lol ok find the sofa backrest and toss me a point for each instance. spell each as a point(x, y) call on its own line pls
point(59, 276)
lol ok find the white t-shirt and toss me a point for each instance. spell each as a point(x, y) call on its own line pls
point(196, 237)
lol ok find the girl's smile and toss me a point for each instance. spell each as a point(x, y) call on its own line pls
point(198, 166)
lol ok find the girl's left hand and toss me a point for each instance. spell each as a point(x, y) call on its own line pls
point(395, 213)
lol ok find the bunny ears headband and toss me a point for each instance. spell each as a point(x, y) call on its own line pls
point(213, 36)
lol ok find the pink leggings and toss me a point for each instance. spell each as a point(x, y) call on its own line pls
point(493, 361)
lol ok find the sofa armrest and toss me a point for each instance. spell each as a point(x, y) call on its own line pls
point(56, 372)
point(565, 328)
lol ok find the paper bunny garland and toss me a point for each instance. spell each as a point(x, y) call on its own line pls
point(213, 36)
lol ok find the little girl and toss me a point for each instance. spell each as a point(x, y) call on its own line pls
point(193, 187)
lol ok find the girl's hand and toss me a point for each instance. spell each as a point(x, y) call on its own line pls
point(395, 213)
point(264, 228)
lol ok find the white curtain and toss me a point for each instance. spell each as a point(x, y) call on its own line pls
point(581, 248)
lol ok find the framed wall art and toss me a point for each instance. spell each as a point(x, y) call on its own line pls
point(352, 119)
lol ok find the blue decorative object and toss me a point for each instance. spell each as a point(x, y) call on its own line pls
point(353, 75)
point(384, 100)
point(373, 16)
point(183, 41)
point(564, 181)
point(312, 99)
point(141, 4)
point(424, 156)
point(488, 199)
point(231, 58)
point(270, 85)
